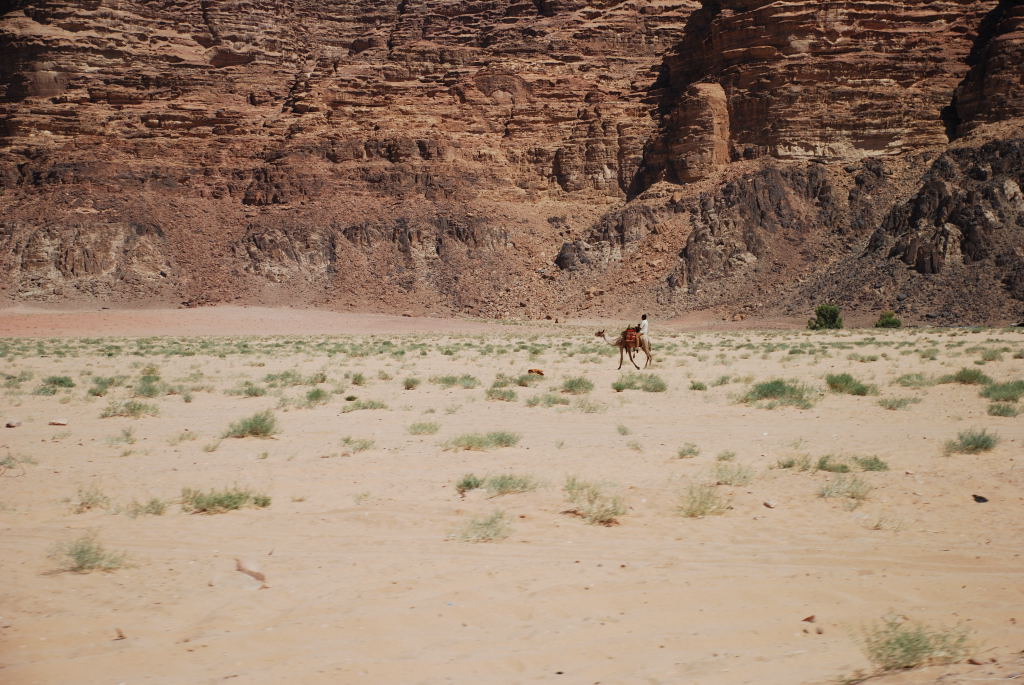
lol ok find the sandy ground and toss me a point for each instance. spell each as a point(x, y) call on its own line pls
point(368, 578)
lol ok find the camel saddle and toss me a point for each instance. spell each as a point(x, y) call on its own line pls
point(632, 336)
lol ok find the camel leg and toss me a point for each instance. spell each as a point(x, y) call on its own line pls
point(620, 358)
point(632, 353)
point(650, 357)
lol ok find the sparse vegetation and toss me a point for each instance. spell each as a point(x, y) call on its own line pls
point(486, 528)
point(360, 405)
point(896, 403)
point(639, 381)
point(482, 441)
point(1010, 391)
point(260, 425)
point(424, 428)
point(152, 507)
point(1002, 409)
point(728, 473)
point(847, 384)
point(501, 394)
point(972, 442)
point(592, 504)
point(219, 501)
point(687, 451)
point(547, 400)
point(913, 380)
point(851, 487)
point(702, 499)
point(90, 498)
point(895, 643)
point(871, 463)
point(697, 385)
point(778, 392)
point(464, 381)
point(131, 408)
point(356, 445)
point(86, 554)
point(509, 483)
point(967, 377)
point(468, 482)
point(411, 383)
point(577, 385)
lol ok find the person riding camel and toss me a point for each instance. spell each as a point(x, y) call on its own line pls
point(642, 329)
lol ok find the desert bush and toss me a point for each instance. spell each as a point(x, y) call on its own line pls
point(702, 499)
point(967, 377)
point(972, 442)
point(687, 451)
point(216, 502)
point(697, 385)
point(100, 385)
point(852, 487)
point(895, 644)
point(871, 463)
point(801, 463)
point(260, 425)
point(546, 400)
point(131, 408)
point(358, 379)
point(913, 380)
point(153, 507)
point(248, 389)
point(1002, 409)
point(482, 441)
point(89, 498)
point(589, 406)
point(888, 319)
point(424, 428)
point(592, 504)
point(86, 554)
point(356, 445)
point(528, 380)
point(895, 403)
point(486, 528)
point(411, 383)
point(727, 473)
point(826, 463)
point(509, 483)
point(464, 381)
point(59, 382)
point(468, 482)
point(826, 316)
point(1010, 391)
point(577, 385)
point(847, 384)
point(360, 405)
point(501, 394)
point(771, 394)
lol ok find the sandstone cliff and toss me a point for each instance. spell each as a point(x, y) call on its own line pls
point(497, 157)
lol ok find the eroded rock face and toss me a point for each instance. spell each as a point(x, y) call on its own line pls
point(498, 157)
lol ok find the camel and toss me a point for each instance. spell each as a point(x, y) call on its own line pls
point(629, 349)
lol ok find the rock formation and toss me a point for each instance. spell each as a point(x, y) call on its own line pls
point(502, 158)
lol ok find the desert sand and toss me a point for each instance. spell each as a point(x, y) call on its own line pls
point(360, 567)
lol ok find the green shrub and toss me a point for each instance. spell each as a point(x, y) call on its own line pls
point(482, 441)
point(1010, 391)
point(577, 385)
point(801, 463)
point(149, 385)
point(727, 473)
point(100, 386)
point(701, 500)
point(356, 445)
point(826, 316)
point(528, 380)
point(261, 425)
point(411, 383)
point(779, 392)
point(154, 507)
point(687, 451)
point(86, 554)
point(852, 487)
point(501, 394)
point(486, 529)
point(131, 408)
point(825, 463)
point(967, 377)
point(1002, 409)
point(359, 405)
point(468, 482)
point(888, 319)
point(424, 428)
point(895, 644)
point(697, 385)
point(591, 504)
point(215, 502)
point(509, 483)
point(894, 403)
point(90, 498)
point(972, 442)
point(546, 400)
point(317, 396)
point(913, 380)
point(871, 463)
point(845, 383)
point(358, 379)
point(59, 382)
point(464, 381)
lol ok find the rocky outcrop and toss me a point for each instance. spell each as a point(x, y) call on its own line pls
point(499, 158)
